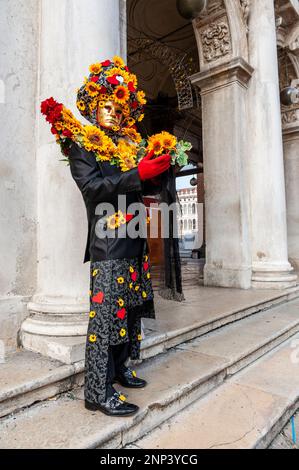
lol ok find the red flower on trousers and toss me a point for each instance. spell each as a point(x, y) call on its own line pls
point(98, 298)
point(145, 266)
point(121, 313)
point(134, 276)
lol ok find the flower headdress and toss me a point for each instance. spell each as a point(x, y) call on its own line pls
point(111, 80)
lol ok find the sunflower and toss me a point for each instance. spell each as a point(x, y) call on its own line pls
point(95, 272)
point(95, 68)
point(118, 61)
point(144, 294)
point(92, 88)
point(127, 162)
point(92, 314)
point(141, 117)
point(120, 302)
point(139, 337)
point(155, 144)
point(129, 121)
point(148, 275)
point(101, 103)
point(113, 221)
point(132, 134)
point(94, 138)
point(92, 338)
point(169, 141)
point(58, 126)
point(122, 332)
point(81, 105)
point(76, 130)
point(121, 94)
point(141, 97)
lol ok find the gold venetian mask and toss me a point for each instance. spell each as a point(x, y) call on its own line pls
point(110, 115)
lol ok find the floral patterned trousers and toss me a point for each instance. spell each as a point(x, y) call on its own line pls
point(120, 295)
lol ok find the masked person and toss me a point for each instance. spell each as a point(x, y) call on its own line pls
point(104, 167)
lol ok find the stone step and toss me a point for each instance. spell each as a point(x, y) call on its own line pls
point(176, 379)
point(204, 309)
point(247, 412)
point(28, 377)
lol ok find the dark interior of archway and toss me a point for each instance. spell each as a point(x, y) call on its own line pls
point(157, 33)
point(155, 30)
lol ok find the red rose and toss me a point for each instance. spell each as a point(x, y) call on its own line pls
point(134, 276)
point(103, 89)
point(134, 105)
point(127, 68)
point(94, 79)
point(54, 130)
point(67, 133)
point(131, 87)
point(106, 63)
point(113, 80)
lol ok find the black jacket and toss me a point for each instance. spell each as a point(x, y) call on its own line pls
point(101, 182)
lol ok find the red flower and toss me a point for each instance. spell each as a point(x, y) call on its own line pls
point(103, 89)
point(131, 86)
point(129, 217)
point(94, 79)
point(127, 68)
point(134, 276)
point(113, 80)
point(98, 298)
point(54, 130)
point(67, 133)
point(145, 266)
point(121, 313)
point(106, 63)
point(134, 105)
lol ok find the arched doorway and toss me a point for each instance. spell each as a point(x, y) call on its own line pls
point(164, 54)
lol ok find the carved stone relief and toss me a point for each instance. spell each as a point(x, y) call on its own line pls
point(216, 41)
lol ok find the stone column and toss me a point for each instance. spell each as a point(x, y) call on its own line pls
point(290, 120)
point(73, 34)
point(270, 265)
point(18, 81)
point(223, 92)
point(223, 80)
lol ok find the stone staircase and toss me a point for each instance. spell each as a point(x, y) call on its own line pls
point(192, 354)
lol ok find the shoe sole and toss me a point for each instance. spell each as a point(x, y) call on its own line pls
point(91, 407)
point(129, 386)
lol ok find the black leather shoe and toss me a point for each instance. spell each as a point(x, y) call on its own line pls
point(113, 406)
point(128, 378)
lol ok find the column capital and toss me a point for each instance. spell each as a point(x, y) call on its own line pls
point(236, 70)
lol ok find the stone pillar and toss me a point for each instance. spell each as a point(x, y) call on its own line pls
point(223, 92)
point(270, 265)
point(18, 81)
point(223, 79)
point(72, 36)
point(290, 120)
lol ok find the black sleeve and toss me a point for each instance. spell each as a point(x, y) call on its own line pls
point(152, 186)
point(92, 184)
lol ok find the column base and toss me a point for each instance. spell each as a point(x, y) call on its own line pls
point(56, 328)
point(64, 349)
point(271, 276)
point(239, 278)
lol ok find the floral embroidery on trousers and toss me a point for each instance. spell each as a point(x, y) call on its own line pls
point(118, 288)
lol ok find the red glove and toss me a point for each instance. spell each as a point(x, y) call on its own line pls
point(149, 168)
